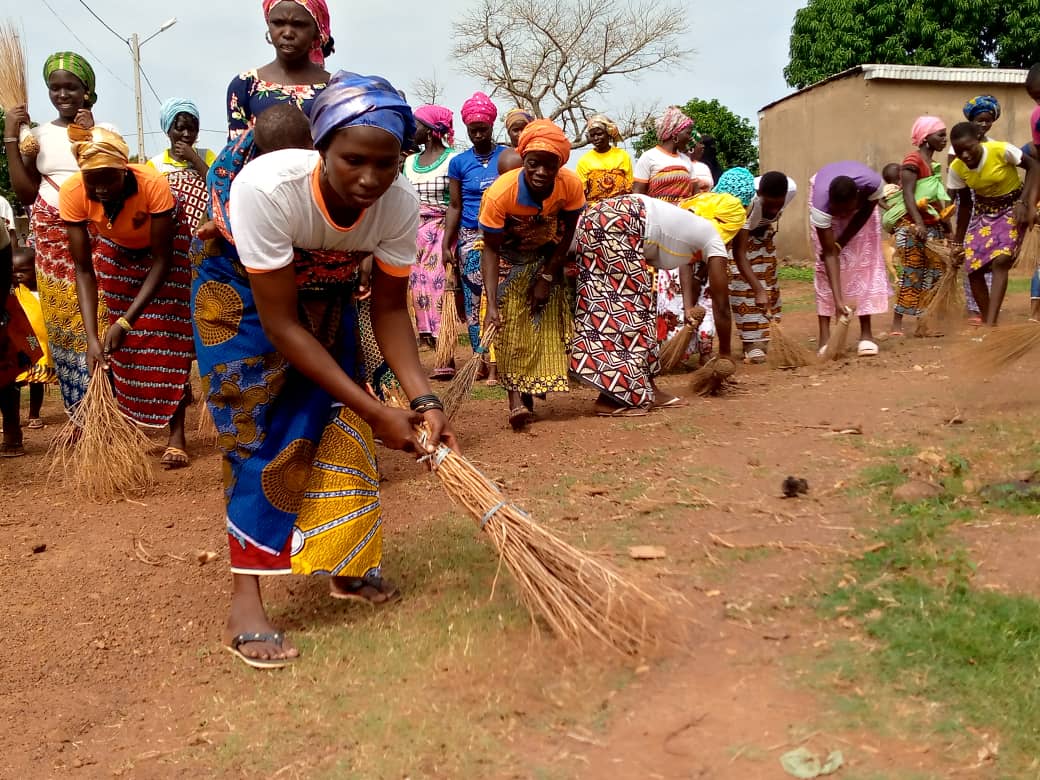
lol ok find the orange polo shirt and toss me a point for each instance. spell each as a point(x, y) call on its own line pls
point(509, 207)
point(132, 227)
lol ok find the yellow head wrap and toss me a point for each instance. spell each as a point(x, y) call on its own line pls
point(725, 211)
point(98, 148)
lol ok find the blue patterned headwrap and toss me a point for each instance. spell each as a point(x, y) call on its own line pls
point(980, 105)
point(172, 107)
point(738, 182)
point(351, 100)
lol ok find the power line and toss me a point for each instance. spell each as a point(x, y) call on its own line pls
point(104, 23)
point(86, 48)
point(148, 81)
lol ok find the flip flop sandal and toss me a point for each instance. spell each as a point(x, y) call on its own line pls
point(11, 450)
point(35, 423)
point(519, 418)
point(174, 458)
point(673, 403)
point(385, 592)
point(274, 638)
point(755, 355)
point(625, 411)
point(443, 374)
point(867, 349)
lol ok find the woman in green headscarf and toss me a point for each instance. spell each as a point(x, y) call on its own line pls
point(40, 160)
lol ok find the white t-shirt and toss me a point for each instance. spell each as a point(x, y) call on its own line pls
point(5, 236)
point(755, 219)
point(702, 173)
point(673, 236)
point(276, 205)
point(7, 213)
point(55, 159)
point(653, 160)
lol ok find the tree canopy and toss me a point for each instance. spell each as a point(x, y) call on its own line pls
point(830, 36)
point(735, 136)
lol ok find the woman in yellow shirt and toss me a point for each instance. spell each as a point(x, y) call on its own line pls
point(989, 231)
point(605, 170)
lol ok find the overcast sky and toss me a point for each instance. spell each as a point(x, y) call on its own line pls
point(739, 59)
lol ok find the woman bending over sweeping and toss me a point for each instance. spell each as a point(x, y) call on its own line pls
point(846, 235)
point(527, 221)
point(277, 324)
point(140, 266)
point(615, 346)
point(989, 231)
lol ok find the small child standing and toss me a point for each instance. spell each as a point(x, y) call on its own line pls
point(43, 372)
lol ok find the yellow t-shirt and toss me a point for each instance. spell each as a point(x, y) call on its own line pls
point(164, 163)
point(996, 174)
point(605, 174)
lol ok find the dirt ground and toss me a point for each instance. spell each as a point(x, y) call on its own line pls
point(112, 661)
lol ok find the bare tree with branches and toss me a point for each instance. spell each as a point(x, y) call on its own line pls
point(428, 90)
point(557, 57)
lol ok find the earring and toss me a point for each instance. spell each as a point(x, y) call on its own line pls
point(267, 35)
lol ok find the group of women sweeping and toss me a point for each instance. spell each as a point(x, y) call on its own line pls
point(294, 264)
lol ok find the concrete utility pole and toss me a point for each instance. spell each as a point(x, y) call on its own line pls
point(135, 50)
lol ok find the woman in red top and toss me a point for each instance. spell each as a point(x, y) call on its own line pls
point(140, 266)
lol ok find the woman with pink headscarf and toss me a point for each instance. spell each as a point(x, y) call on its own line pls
point(427, 171)
point(925, 199)
point(299, 31)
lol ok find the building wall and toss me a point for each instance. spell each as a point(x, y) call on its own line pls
point(867, 120)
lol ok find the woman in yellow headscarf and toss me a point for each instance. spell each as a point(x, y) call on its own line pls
point(140, 266)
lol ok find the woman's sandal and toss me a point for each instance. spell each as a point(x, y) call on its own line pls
point(174, 458)
point(273, 638)
point(624, 411)
point(374, 591)
point(11, 450)
point(35, 423)
point(519, 417)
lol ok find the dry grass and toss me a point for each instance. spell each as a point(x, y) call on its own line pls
point(1002, 347)
point(1029, 249)
point(674, 350)
point(448, 338)
point(461, 386)
point(710, 378)
point(99, 454)
point(945, 301)
point(835, 347)
point(13, 88)
point(784, 350)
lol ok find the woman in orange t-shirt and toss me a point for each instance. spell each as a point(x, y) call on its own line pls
point(140, 266)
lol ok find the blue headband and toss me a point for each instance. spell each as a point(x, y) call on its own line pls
point(351, 100)
point(172, 107)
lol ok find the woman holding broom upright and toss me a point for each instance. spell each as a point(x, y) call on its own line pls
point(527, 221)
point(615, 346)
point(36, 176)
point(278, 344)
point(846, 234)
point(139, 263)
point(427, 170)
point(989, 230)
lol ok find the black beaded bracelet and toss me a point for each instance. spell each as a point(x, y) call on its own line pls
point(429, 407)
point(422, 400)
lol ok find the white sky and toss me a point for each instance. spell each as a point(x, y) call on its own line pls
point(739, 54)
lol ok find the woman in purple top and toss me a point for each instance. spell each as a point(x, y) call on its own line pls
point(846, 236)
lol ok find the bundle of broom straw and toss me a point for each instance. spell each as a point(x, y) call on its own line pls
point(784, 350)
point(205, 429)
point(945, 301)
point(674, 350)
point(461, 386)
point(14, 90)
point(710, 378)
point(99, 453)
point(835, 347)
point(584, 601)
point(1029, 249)
point(1002, 347)
point(448, 338)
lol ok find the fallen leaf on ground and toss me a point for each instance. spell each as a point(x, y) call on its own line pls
point(646, 553)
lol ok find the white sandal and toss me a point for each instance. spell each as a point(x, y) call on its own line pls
point(867, 348)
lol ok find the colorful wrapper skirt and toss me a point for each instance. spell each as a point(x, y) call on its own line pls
point(19, 347)
point(42, 371)
point(992, 231)
point(615, 347)
point(300, 480)
point(472, 280)
point(428, 276)
point(530, 349)
point(190, 191)
point(153, 363)
point(56, 283)
point(751, 319)
point(921, 271)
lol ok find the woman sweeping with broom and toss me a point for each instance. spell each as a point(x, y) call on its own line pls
point(527, 221)
point(140, 265)
point(615, 346)
point(277, 329)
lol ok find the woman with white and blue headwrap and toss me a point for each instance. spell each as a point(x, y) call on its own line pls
point(276, 322)
point(184, 166)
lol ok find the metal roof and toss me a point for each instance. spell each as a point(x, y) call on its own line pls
point(919, 73)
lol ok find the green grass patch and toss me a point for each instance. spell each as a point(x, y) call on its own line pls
point(792, 273)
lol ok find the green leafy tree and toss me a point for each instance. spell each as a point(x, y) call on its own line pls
point(830, 36)
point(735, 136)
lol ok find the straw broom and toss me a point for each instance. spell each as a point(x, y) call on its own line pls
point(835, 347)
point(448, 338)
point(584, 601)
point(784, 350)
point(945, 301)
point(1002, 347)
point(1029, 249)
point(205, 429)
point(709, 378)
point(99, 453)
point(674, 350)
point(13, 88)
point(459, 389)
